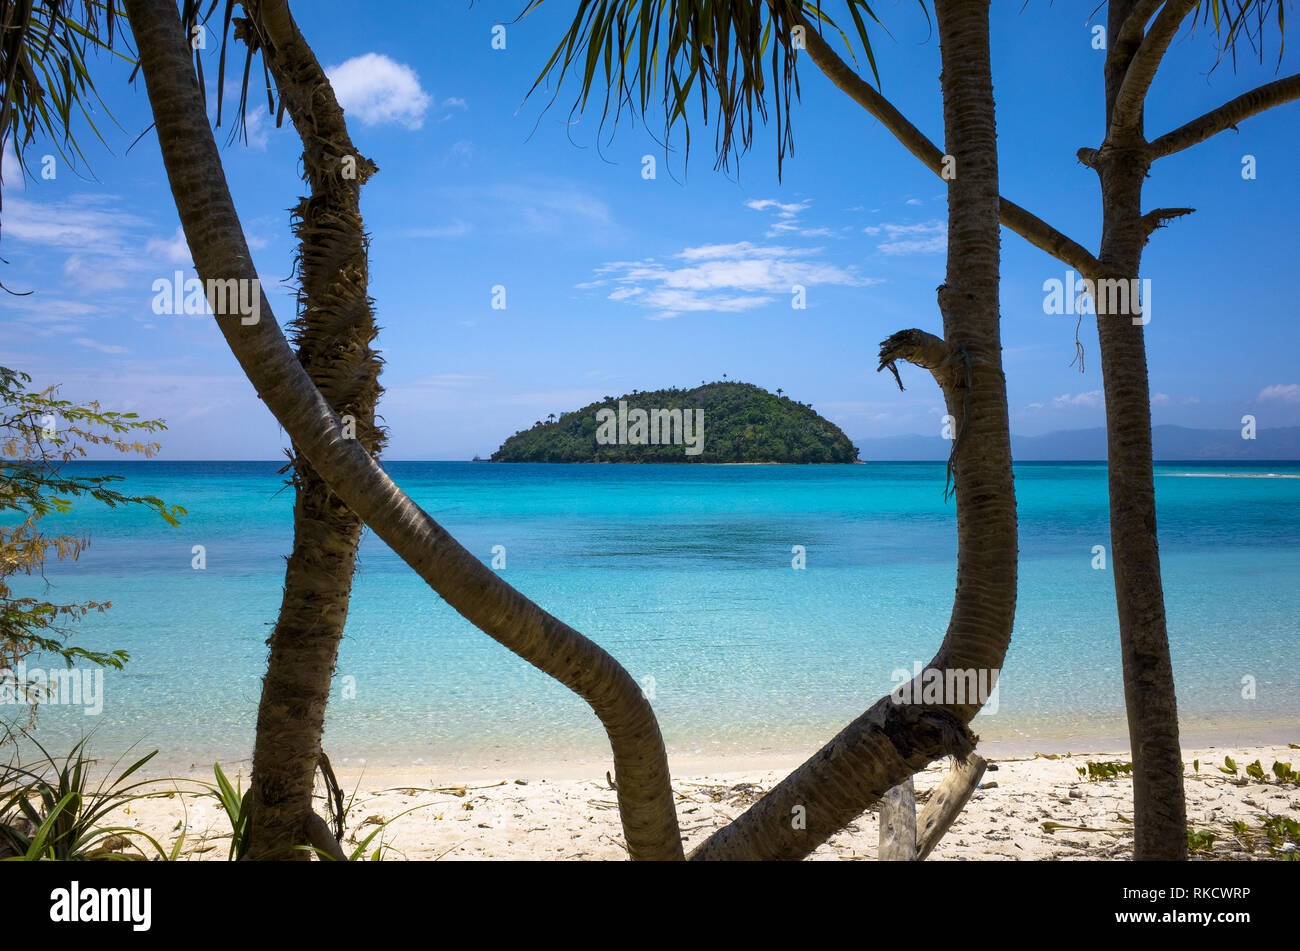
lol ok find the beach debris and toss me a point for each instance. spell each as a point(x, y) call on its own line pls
point(1051, 827)
point(460, 791)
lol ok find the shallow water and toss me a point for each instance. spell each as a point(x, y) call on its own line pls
point(684, 574)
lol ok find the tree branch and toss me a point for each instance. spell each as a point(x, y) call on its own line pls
point(1157, 218)
point(320, 837)
point(923, 349)
point(1126, 115)
point(1227, 116)
point(947, 802)
point(1033, 229)
point(1131, 33)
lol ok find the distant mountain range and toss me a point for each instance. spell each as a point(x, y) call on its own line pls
point(1171, 443)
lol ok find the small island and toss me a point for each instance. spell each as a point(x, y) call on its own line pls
point(722, 422)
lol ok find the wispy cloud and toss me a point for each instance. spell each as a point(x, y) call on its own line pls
point(724, 278)
point(540, 208)
point(455, 229)
point(173, 249)
point(927, 237)
point(10, 173)
point(787, 215)
point(101, 347)
point(1091, 399)
point(1280, 393)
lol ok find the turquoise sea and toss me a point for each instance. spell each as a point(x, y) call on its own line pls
point(685, 574)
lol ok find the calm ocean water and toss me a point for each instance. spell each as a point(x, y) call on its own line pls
point(684, 574)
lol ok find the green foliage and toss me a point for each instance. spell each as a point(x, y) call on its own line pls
point(742, 423)
point(1202, 841)
point(647, 54)
point(1235, 19)
point(1276, 836)
point(44, 79)
point(1098, 771)
point(235, 804)
point(49, 810)
point(38, 434)
point(1282, 771)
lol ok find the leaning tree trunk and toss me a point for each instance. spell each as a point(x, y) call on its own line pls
point(216, 240)
point(892, 741)
point(334, 331)
point(1159, 805)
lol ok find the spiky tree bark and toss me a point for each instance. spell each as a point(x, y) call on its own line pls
point(334, 331)
point(216, 240)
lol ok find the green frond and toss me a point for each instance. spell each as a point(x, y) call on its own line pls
point(660, 54)
point(45, 83)
point(1237, 20)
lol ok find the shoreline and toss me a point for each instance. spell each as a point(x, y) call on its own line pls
point(1034, 807)
point(575, 764)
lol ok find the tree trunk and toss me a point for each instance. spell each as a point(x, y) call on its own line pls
point(898, 823)
point(216, 240)
point(891, 741)
point(334, 330)
point(1159, 806)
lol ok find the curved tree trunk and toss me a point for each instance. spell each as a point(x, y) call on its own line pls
point(1160, 828)
point(334, 331)
point(892, 741)
point(216, 240)
point(1159, 804)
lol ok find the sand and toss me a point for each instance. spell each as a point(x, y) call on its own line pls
point(567, 817)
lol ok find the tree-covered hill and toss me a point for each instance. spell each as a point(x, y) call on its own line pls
point(740, 422)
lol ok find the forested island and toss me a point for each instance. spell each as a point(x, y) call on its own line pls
point(721, 422)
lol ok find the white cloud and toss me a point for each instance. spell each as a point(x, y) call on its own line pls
point(928, 237)
point(174, 249)
point(784, 210)
point(10, 173)
point(723, 278)
point(455, 229)
point(101, 347)
point(1280, 393)
point(914, 201)
point(1092, 399)
point(787, 214)
point(379, 90)
point(82, 222)
point(536, 208)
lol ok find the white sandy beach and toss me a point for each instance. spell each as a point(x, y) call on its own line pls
point(568, 817)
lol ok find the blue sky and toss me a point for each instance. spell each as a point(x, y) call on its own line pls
point(615, 282)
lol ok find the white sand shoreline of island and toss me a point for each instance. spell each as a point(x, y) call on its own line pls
point(558, 815)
